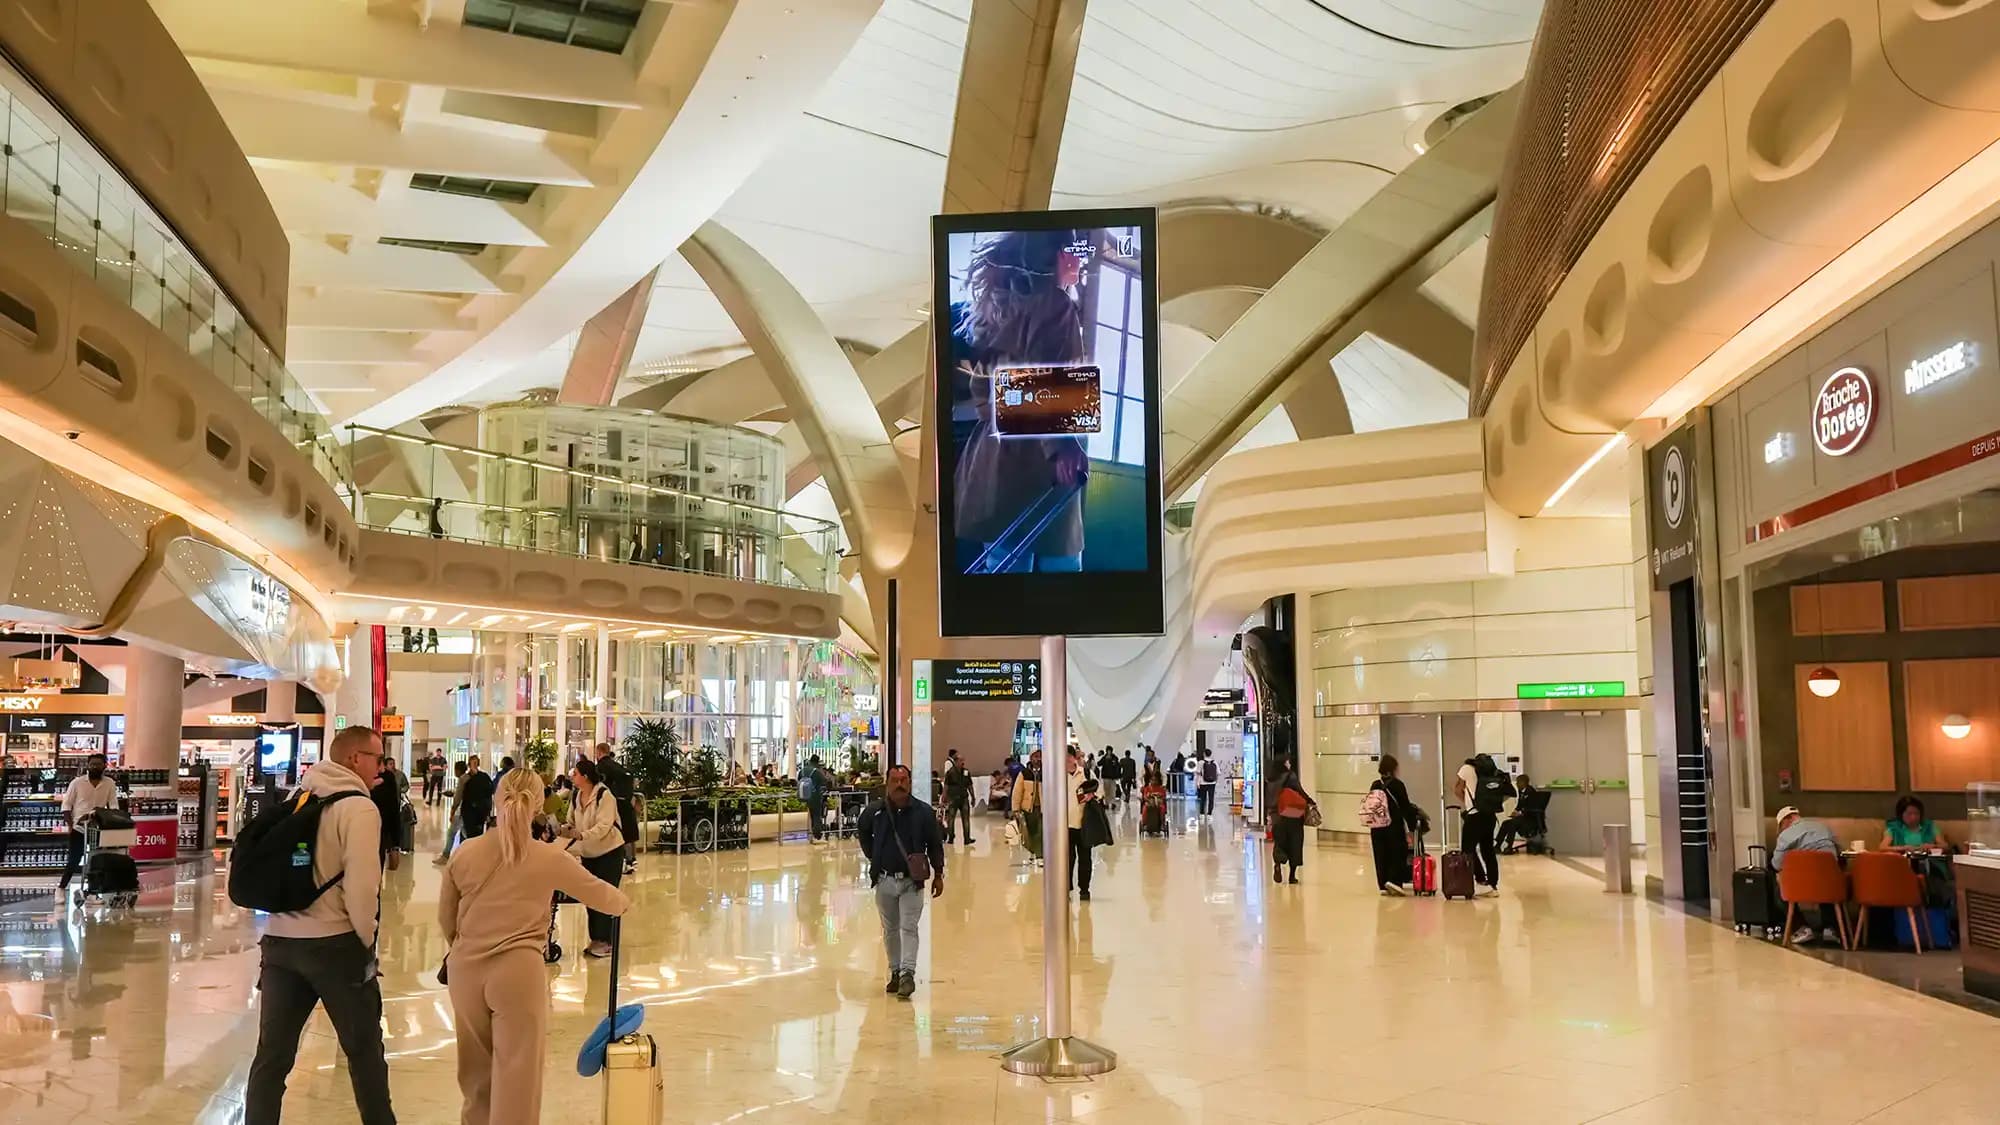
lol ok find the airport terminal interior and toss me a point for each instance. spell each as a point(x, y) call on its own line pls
point(1391, 562)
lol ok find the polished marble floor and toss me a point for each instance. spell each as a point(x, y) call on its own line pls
point(1229, 999)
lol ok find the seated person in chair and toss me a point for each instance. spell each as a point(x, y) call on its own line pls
point(1509, 837)
point(1911, 831)
point(1798, 834)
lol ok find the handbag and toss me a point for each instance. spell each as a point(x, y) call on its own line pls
point(1312, 815)
point(1012, 833)
point(919, 865)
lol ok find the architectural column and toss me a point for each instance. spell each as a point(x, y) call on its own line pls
point(601, 725)
point(353, 699)
point(1305, 691)
point(789, 726)
point(562, 697)
point(281, 701)
point(154, 684)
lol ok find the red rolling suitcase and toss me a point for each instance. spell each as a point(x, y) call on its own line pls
point(1423, 870)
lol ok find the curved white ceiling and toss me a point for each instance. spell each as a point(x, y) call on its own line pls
point(1276, 102)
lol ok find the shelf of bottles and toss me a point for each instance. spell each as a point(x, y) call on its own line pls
point(34, 837)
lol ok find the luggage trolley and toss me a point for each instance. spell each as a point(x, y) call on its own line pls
point(109, 874)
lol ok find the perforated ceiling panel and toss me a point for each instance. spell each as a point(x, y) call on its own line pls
point(1606, 83)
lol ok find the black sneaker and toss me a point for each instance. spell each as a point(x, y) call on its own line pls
point(895, 978)
point(907, 986)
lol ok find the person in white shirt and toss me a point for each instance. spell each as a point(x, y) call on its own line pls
point(325, 954)
point(593, 835)
point(90, 791)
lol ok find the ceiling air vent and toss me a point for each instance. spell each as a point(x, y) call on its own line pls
point(599, 25)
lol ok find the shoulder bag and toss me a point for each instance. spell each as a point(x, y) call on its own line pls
point(918, 865)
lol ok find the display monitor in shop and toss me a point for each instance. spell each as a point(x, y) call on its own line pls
point(1049, 457)
point(277, 751)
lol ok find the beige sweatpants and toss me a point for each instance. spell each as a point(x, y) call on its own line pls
point(501, 1007)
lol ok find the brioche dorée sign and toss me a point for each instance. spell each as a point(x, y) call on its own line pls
point(1843, 412)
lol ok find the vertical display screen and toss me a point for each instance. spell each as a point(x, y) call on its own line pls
point(1048, 413)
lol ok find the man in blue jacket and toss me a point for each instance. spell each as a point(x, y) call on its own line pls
point(905, 848)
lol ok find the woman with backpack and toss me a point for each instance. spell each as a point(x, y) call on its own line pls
point(494, 909)
point(1485, 793)
point(594, 836)
point(1393, 825)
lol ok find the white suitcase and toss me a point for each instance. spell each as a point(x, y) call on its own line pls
point(634, 1090)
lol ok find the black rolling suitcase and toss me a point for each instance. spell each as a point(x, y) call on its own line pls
point(1754, 897)
point(110, 873)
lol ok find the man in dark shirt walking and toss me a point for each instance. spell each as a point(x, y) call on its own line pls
point(899, 835)
point(475, 802)
point(957, 798)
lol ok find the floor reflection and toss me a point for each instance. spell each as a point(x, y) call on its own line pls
point(1228, 998)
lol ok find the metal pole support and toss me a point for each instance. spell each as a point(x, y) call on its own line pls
point(1618, 859)
point(1058, 1054)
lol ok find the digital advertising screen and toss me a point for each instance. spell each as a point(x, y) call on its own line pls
point(1048, 408)
point(277, 752)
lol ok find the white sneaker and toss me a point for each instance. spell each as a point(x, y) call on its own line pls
point(1802, 935)
point(1830, 936)
point(1487, 892)
point(1393, 891)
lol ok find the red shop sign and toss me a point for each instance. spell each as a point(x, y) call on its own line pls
point(1843, 412)
point(158, 837)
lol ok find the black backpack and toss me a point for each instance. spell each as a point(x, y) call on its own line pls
point(1491, 794)
point(1208, 771)
point(271, 862)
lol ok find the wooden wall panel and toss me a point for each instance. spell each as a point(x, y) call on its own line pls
point(1936, 688)
point(1837, 607)
point(1846, 742)
point(1957, 601)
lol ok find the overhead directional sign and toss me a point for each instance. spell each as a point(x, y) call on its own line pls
point(972, 681)
point(1585, 689)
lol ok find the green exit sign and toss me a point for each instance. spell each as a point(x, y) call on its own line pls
point(923, 690)
point(340, 722)
point(1581, 689)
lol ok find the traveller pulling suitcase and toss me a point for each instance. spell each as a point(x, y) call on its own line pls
point(1754, 895)
point(1455, 873)
point(634, 1090)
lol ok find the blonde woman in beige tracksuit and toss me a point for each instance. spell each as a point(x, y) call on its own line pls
point(494, 909)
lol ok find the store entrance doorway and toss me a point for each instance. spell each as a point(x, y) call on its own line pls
point(1580, 758)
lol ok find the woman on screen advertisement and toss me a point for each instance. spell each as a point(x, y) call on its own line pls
point(1021, 475)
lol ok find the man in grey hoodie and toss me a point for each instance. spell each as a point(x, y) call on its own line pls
point(325, 954)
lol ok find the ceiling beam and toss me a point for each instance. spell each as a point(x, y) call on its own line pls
point(373, 266)
point(309, 346)
point(604, 347)
point(331, 36)
point(273, 127)
point(361, 310)
point(312, 204)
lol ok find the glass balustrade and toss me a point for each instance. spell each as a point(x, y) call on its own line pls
point(69, 194)
point(481, 496)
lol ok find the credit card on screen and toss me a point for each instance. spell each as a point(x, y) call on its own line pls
point(1047, 400)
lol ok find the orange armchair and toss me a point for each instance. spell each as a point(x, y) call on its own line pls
point(1813, 879)
point(1886, 879)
